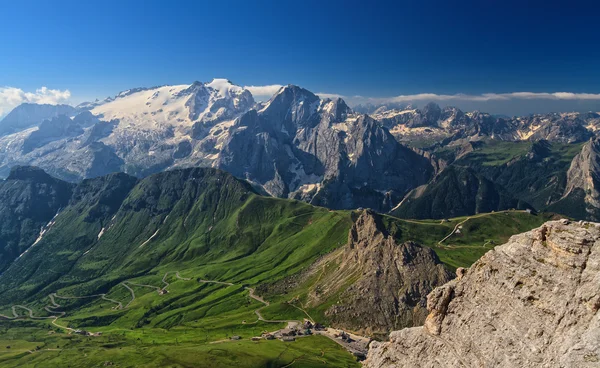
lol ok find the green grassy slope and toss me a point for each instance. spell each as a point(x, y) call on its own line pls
point(201, 222)
point(457, 191)
point(478, 234)
point(119, 234)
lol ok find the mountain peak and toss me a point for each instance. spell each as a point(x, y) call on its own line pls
point(292, 102)
point(337, 108)
point(225, 87)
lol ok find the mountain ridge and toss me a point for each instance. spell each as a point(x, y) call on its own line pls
point(296, 145)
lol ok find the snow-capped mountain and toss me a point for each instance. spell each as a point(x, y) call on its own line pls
point(294, 145)
point(30, 115)
point(140, 131)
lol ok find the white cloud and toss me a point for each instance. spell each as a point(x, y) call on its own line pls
point(10, 97)
point(268, 90)
point(570, 96)
point(329, 95)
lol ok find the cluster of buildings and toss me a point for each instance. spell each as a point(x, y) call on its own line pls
point(87, 333)
point(289, 333)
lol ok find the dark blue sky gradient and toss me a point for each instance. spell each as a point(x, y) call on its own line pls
point(96, 48)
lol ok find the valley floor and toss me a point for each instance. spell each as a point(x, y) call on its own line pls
point(189, 315)
point(34, 340)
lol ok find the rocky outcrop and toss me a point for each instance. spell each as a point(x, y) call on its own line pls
point(381, 285)
point(319, 151)
point(583, 176)
point(532, 302)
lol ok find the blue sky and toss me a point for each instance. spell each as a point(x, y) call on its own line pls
point(372, 49)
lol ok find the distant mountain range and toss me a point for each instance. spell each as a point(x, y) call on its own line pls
point(297, 145)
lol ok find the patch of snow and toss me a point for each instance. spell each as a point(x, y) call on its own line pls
point(225, 87)
point(149, 239)
point(43, 231)
point(392, 113)
point(100, 233)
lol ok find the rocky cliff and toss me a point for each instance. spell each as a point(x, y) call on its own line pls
point(372, 285)
point(391, 281)
point(532, 302)
point(583, 181)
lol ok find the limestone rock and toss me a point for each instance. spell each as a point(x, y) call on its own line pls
point(584, 176)
point(532, 302)
point(390, 280)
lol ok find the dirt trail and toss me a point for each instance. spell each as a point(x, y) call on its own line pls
point(132, 294)
point(58, 314)
point(164, 279)
point(472, 217)
point(215, 282)
point(101, 296)
point(454, 230)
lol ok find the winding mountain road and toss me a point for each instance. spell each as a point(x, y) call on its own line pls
point(251, 293)
point(58, 314)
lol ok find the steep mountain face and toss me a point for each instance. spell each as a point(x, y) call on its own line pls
point(77, 226)
point(30, 115)
point(529, 303)
point(29, 200)
point(424, 127)
point(456, 191)
point(108, 218)
point(389, 282)
point(297, 145)
point(581, 196)
point(319, 151)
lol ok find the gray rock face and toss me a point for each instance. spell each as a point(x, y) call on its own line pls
point(392, 280)
point(532, 302)
point(584, 175)
point(320, 151)
point(51, 130)
point(432, 124)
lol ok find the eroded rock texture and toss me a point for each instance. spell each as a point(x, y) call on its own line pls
point(532, 302)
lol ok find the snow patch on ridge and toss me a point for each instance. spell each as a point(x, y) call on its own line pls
point(43, 231)
point(149, 239)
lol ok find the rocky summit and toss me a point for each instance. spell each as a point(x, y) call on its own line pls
point(392, 280)
point(532, 302)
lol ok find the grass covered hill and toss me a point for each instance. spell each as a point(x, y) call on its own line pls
point(170, 267)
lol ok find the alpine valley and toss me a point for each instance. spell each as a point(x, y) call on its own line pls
point(192, 226)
